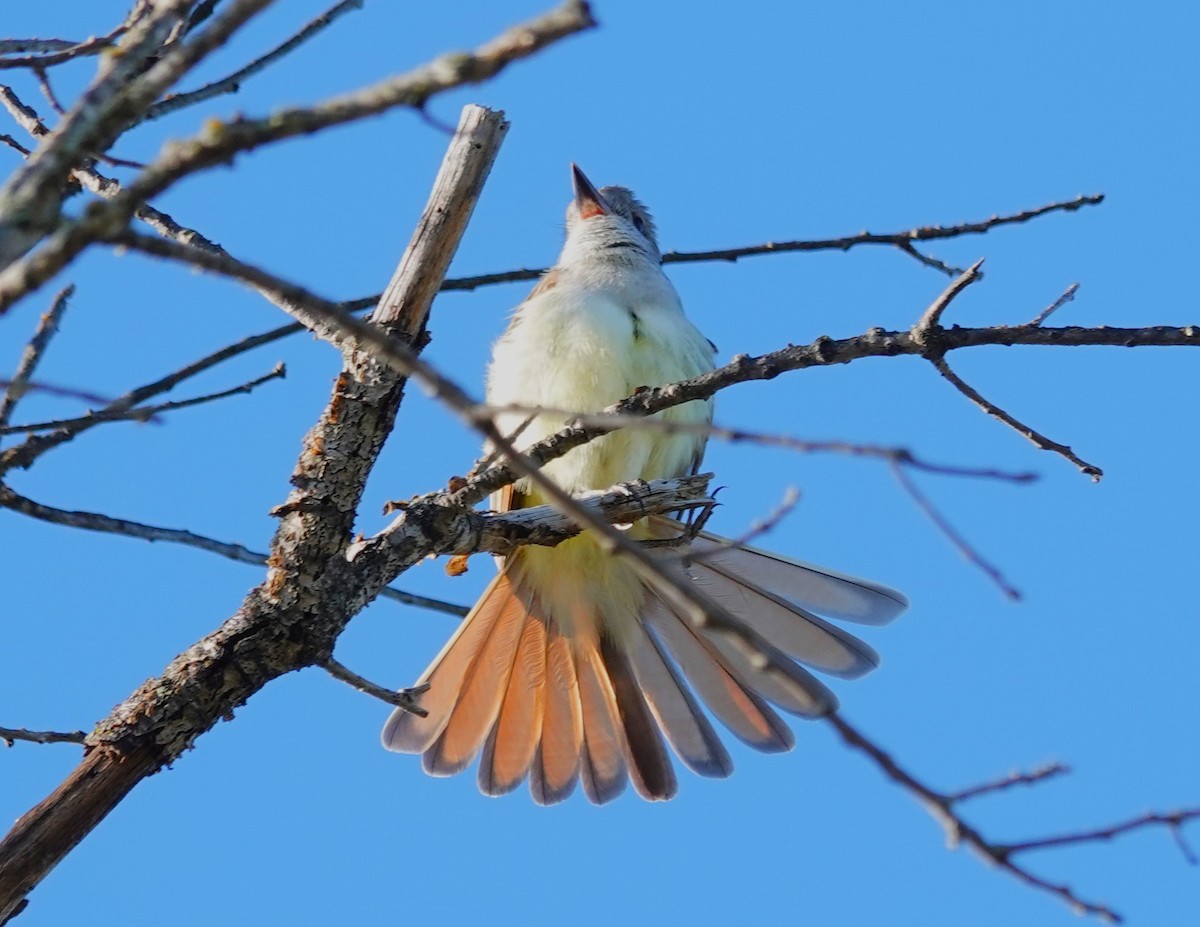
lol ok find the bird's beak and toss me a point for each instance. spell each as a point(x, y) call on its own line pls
point(587, 198)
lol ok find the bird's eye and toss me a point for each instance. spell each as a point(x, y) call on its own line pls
point(639, 224)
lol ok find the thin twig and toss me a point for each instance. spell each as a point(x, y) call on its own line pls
point(929, 334)
point(43, 82)
point(233, 83)
point(958, 830)
point(21, 46)
point(1067, 295)
point(951, 534)
point(899, 455)
point(220, 142)
point(15, 145)
point(32, 355)
point(33, 447)
point(11, 734)
point(1041, 774)
point(60, 391)
point(404, 698)
point(106, 524)
point(845, 243)
point(1173, 820)
point(1034, 437)
point(59, 50)
point(928, 260)
point(93, 521)
point(758, 528)
point(931, 319)
point(145, 413)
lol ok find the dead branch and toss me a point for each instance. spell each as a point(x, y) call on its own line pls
point(969, 553)
point(60, 50)
point(902, 240)
point(1067, 296)
point(32, 355)
point(1041, 774)
point(958, 831)
point(146, 413)
point(219, 141)
point(31, 200)
point(12, 734)
point(1172, 820)
point(403, 698)
point(106, 524)
point(233, 83)
point(277, 629)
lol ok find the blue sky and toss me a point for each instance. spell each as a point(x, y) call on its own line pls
point(771, 121)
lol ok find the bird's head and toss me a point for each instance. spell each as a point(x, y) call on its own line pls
point(610, 219)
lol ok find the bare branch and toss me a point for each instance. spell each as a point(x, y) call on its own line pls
point(278, 629)
point(903, 240)
point(958, 831)
point(1035, 437)
point(1067, 295)
point(11, 734)
point(43, 81)
point(20, 46)
point(60, 50)
point(461, 530)
point(960, 543)
point(1041, 774)
point(898, 455)
point(1173, 820)
point(404, 698)
point(92, 521)
point(105, 524)
point(14, 144)
point(820, 353)
point(145, 413)
point(931, 319)
point(233, 83)
point(31, 199)
point(32, 355)
point(219, 142)
point(929, 261)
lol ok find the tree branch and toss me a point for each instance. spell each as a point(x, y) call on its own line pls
point(32, 355)
point(233, 83)
point(145, 413)
point(293, 618)
point(403, 698)
point(221, 141)
point(31, 199)
point(958, 831)
point(1041, 774)
point(11, 734)
point(61, 50)
point(902, 240)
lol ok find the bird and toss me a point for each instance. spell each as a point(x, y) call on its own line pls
point(571, 668)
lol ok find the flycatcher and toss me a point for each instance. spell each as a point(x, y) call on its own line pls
point(570, 668)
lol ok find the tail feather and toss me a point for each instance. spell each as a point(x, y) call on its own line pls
point(481, 696)
point(510, 747)
point(758, 662)
point(737, 707)
point(406, 732)
point(602, 768)
point(568, 672)
point(555, 768)
point(828, 592)
point(797, 632)
point(677, 712)
point(774, 676)
point(649, 766)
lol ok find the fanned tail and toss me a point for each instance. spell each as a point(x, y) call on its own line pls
point(563, 675)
